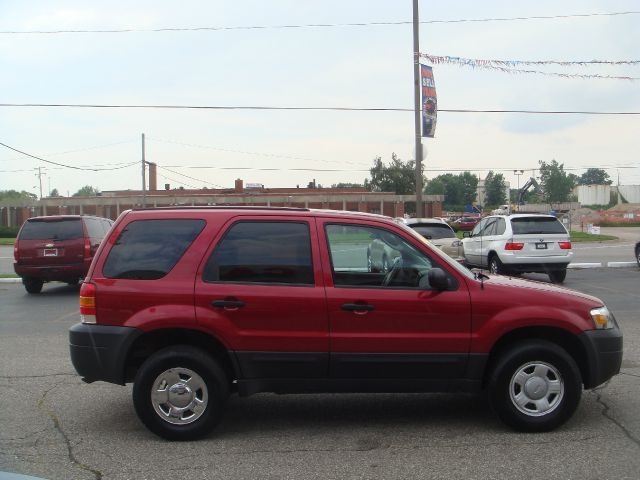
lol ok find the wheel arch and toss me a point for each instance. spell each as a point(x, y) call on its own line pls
point(563, 338)
point(149, 343)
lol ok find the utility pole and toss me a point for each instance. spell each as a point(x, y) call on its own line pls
point(39, 175)
point(144, 182)
point(417, 108)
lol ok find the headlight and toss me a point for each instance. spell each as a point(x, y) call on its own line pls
point(602, 318)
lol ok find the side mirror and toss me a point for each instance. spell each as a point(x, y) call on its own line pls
point(438, 280)
point(466, 234)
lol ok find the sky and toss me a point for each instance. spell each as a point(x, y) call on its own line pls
point(342, 66)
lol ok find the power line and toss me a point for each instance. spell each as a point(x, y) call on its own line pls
point(272, 155)
point(315, 25)
point(63, 165)
point(338, 109)
point(187, 176)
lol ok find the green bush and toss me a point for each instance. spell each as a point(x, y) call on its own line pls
point(8, 232)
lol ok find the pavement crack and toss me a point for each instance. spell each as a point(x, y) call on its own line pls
point(630, 374)
point(58, 426)
point(606, 414)
point(48, 375)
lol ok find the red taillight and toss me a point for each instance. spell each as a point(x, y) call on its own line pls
point(88, 303)
point(565, 245)
point(513, 246)
point(87, 248)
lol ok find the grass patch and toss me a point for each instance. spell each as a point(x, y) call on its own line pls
point(7, 241)
point(588, 237)
point(8, 275)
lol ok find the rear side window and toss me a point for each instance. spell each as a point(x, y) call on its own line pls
point(537, 225)
point(66, 229)
point(149, 249)
point(434, 231)
point(263, 252)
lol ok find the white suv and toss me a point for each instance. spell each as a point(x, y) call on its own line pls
point(518, 244)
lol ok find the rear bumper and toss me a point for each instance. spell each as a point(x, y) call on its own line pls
point(52, 272)
point(604, 355)
point(99, 352)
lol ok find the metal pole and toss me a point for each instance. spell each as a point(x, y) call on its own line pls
point(40, 178)
point(144, 191)
point(417, 108)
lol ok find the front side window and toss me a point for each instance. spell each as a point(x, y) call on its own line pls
point(265, 252)
point(149, 249)
point(373, 257)
point(478, 228)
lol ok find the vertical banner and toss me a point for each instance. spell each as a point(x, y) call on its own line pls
point(429, 101)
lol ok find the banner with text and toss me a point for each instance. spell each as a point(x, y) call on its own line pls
point(429, 101)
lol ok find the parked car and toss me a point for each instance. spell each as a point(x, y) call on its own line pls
point(465, 223)
point(439, 233)
point(520, 243)
point(57, 247)
point(193, 304)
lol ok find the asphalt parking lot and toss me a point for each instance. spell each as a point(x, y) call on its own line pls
point(54, 426)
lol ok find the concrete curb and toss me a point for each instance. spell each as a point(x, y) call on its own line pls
point(10, 280)
point(579, 266)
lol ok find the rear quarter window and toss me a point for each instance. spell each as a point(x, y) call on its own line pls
point(149, 249)
point(66, 229)
point(537, 225)
point(95, 228)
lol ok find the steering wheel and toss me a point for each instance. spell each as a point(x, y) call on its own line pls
point(396, 268)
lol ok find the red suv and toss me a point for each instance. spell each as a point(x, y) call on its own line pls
point(191, 304)
point(57, 248)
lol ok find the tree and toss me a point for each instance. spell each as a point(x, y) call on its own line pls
point(458, 190)
point(15, 195)
point(594, 176)
point(87, 191)
point(54, 193)
point(556, 184)
point(398, 177)
point(495, 188)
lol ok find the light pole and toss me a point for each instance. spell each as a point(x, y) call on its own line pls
point(517, 173)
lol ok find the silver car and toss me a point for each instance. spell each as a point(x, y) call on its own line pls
point(439, 233)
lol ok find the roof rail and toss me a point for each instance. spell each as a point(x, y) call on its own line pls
point(222, 207)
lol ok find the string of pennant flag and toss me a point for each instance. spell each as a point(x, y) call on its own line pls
point(508, 66)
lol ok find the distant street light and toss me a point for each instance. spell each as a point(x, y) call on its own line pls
point(517, 173)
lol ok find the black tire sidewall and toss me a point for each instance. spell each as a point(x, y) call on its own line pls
point(557, 276)
point(194, 359)
point(513, 359)
point(32, 285)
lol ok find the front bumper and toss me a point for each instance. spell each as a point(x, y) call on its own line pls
point(604, 355)
point(99, 352)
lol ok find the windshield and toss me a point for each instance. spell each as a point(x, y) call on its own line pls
point(537, 225)
point(66, 229)
point(434, 231)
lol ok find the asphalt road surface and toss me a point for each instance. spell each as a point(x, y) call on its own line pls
point(54, 426)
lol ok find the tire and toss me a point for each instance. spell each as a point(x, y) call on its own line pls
point(535, 386)
point(495, 265)
point(187, 382)
point(558, 276)
point(638, 256)
point(32, 285)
